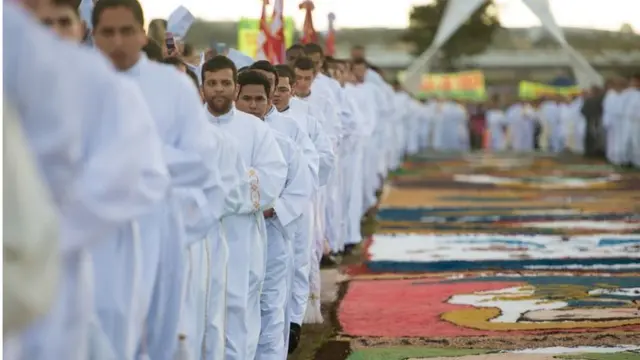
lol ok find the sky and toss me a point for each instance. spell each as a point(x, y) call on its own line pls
point(599, 14)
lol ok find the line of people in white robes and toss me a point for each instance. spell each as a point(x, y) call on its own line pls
point(192, 220)
point(562, 126)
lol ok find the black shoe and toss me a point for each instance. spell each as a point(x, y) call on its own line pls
point(348, 249)
point(328, 261)
point(294, 336)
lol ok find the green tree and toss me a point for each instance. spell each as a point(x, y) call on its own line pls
point(473, 37)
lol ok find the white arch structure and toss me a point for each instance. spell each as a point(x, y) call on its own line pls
point(458, 11)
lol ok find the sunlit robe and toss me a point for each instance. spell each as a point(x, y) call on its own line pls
point(551, 135)
point(329, 103)
point(288, 126)
point(301, 112)
point(190, 152)
point(613, 119)
point(309, 236)
point(370, 108)
point(203, 318)
point(521, 127)
point(449, 129)
point(632, 114)
point(579, 126)
point(327, 204)
point(281, 229)
point(74, 147)
point(245, 232)
point(496, 122)
point(353, 186)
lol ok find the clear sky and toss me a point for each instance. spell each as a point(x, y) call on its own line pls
point(600, 14)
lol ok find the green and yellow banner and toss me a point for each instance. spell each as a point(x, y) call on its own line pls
point(249, 29)
point(466, 85)
point(531, 90)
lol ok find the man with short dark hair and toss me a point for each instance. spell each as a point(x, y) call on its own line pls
point(254, 96)
point(245, 231)
point(63, 17)
point(304, 237)
point(195, 153)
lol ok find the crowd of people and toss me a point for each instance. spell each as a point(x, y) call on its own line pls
point(161, 205)
point(166, 204)
point(596, 123)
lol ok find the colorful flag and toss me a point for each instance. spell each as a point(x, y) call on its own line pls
point(309, 34)
point(277, 38)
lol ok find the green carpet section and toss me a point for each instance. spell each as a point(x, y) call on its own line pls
point(402, 353)
point(626, 355)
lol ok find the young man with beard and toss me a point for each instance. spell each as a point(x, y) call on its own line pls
point(245, 231)
point(282, 221)
point(205, 182)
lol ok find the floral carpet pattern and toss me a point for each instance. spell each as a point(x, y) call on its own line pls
point(483, 256)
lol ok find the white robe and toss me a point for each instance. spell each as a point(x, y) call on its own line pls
point(89, 148)
point(521, 127)
point(613, 122)
point(191, 152)
point(496, 122)
point(551, 135)
point(281, 230)
point(353, 187)
point(246, 232)
point(632, 123)
point(303, 242)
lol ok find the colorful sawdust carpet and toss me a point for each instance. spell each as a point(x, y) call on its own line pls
point(500, 252)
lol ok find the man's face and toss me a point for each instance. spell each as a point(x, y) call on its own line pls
point(304, 78)
point(283, 93)
point(119, 36)
point(218, 90)
point(318, 61)
point(359, 71)
point(63, 20)
point(272, 79)
point(293, 55)
point(253, 99)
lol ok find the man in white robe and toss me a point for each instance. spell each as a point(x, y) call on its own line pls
point(331, 89)
point(303, 242)
point(353, 159)
point(254, 97)
point(246, 232)
point(551, 134)
point(91, 210)
point(612, 117)
point(327, 204)
point(496, 122)
point(521, 120)
point(632, 121)
point(191, 152)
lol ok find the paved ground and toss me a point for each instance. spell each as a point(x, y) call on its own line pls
point(477, 254)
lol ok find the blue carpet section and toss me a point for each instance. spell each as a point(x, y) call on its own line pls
point(460, 265)
point(430, 215)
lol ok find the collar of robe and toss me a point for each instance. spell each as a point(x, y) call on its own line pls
point(285, 109)
point(137, 67)
point(271, 111)
point(222, 118)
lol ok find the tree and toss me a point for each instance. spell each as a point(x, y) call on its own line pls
point(473, 37)
point(627, 29)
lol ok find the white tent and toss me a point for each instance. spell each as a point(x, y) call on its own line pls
point(458, 11)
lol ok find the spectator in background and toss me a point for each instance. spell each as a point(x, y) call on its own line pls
point(592, 109)
point(153, 50)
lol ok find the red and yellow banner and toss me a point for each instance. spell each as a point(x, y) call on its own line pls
point(466, 85)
